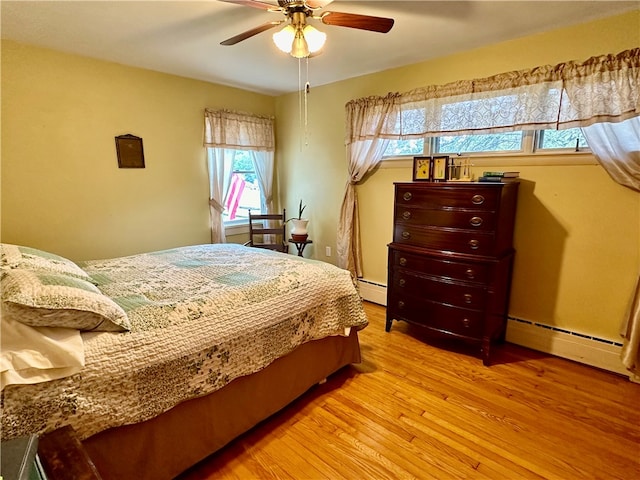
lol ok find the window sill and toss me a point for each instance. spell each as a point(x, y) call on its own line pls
point(237, 229)
point(502, 160)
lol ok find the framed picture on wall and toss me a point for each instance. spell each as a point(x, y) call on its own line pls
point(440, 168)
point(130, 151)
point(422, 167)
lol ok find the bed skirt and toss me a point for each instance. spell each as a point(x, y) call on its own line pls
point(165, 446)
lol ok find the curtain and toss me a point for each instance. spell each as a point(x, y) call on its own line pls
point(219, 163)
point(630, 354)
point(617, 148)
point(602, 89)
point(364, 152)
point(263, 165)
point(224, 132)
point(238, 131)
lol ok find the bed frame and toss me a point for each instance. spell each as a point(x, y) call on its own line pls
point(167, 445)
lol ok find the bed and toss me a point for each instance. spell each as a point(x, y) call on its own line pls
point(167, 356)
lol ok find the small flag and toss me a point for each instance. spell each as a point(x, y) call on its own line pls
point(233, 196)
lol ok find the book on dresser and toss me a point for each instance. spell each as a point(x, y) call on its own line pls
point(501, 174)
point(451, 259)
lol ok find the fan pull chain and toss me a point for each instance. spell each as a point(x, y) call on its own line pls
point(307, 87)
point(303, 104)
point(300, 126)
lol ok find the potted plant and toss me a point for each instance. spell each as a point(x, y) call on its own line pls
point(299, 230)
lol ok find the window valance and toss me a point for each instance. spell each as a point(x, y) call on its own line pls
point(602, 89)
point(238, 130)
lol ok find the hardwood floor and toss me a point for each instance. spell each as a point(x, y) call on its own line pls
point(412, 410)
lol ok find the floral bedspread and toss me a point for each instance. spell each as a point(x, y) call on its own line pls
point(201, 316)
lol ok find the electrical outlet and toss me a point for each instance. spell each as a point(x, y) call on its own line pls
point(327, 251)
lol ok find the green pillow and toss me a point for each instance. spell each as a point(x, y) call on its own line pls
point(17, 256)
point(43, 299)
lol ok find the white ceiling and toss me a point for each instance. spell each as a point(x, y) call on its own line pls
point(183, 37)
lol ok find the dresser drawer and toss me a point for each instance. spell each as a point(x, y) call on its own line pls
point(442, 317)
point(459, 241)
point(473, 220)
point(440, 290)
point(477, 197)
point(457, 270)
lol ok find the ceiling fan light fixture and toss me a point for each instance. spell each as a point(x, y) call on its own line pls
point(314, 37)
point(284, 38)
point(299, 47)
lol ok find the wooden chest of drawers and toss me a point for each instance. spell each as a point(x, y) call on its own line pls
point(451, 259)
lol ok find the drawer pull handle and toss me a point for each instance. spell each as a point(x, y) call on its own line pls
point(474, 244)
point(467, 298)
point(477, 199)
point(400, 304)
point(407, 196)
point(403, 261)
point(470, 273)
point(466, 322)
point(475, 221)
point(402, 282)
point(406, 215)
point(406, 235)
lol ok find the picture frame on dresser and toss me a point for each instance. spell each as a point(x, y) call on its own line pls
point(440, 168)
point(422, 169)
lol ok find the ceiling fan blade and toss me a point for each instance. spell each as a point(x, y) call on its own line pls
point(250, 33)
point(254, 4)
point(362, 22)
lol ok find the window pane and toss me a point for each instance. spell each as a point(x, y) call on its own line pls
point(244, 190)
point(494, 142)
point(552, 139)
point(397, 148)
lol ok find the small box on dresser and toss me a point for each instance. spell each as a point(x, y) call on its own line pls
point(451, 259)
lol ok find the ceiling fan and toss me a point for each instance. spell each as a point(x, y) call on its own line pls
point(299, 38)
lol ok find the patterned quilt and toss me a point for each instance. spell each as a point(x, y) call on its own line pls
point(201, 316)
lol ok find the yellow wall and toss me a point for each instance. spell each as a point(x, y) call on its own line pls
point(62, 189)
point(577, 232)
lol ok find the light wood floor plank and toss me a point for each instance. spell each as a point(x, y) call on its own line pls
point(418, 408)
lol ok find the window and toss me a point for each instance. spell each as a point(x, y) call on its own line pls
point(244, 190)
point(398, 148)
point(563, 141)
point(493, 142)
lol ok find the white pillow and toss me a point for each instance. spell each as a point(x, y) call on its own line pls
point(33, 355)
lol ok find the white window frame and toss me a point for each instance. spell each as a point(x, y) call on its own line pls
point(530, 155)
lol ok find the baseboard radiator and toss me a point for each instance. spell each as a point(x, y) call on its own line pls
point(597, 352)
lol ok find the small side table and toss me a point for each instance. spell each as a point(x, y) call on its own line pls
point(300, 245)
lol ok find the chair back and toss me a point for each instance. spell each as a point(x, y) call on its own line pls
point(268, 231)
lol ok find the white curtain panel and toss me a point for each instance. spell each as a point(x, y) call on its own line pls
point(617, 148)
point(219, 165)
point(263, 165)
point(366, 119)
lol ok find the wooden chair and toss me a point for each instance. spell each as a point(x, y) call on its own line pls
point(268, 231)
